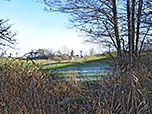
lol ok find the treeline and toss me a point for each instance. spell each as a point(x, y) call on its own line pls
point(48, 54)
point(62, 54)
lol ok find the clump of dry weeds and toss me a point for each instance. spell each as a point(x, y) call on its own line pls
point(27, 89)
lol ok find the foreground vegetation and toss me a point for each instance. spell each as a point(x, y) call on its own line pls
point(27, 89)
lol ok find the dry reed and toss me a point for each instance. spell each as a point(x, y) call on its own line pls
point(25, 89)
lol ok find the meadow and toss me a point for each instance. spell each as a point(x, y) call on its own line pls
point(25, 87)
point(89, 66)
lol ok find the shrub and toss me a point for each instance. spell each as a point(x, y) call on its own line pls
point(65, 57)
point(58, 59)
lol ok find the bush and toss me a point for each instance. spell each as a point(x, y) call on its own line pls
point(65, 57)
point(58, 59)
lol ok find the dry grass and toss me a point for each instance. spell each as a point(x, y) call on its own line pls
point(26, 89)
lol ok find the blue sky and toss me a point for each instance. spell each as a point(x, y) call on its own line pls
point(39, 29)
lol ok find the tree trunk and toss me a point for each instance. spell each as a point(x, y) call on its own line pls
point(129, 33)
point(116, 29)
point(133, 26)
point(142, 43)
point(138, 25)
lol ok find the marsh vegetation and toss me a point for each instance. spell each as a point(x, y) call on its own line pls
point(26, 88)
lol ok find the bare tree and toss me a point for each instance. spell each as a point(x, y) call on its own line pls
point(58, 52)
point(64, 50)
point(50, 53)
point(121, 24)
point(6, 35)
point(138, 16)
point(91, 51)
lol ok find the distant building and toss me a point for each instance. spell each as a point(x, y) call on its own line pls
point(73, 57)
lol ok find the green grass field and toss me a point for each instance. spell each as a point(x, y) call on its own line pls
point(81, 62)
point(77, 68)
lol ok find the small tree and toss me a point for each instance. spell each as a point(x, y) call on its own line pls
point(72, 52)
point(64, 50)
point(81, 53)
point(50, 53)
point(58, 52)
point(58, 59)
point(92, 51)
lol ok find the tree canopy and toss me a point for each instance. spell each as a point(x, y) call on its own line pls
point(6, 34)
point(124, 25)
